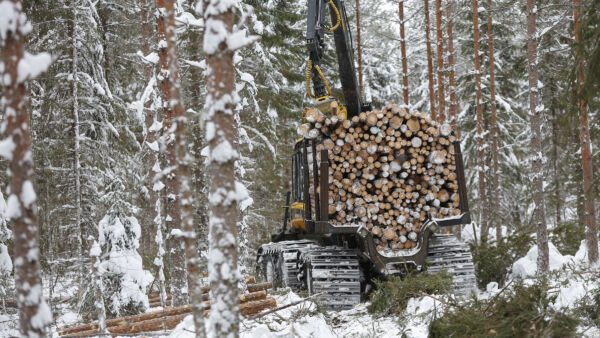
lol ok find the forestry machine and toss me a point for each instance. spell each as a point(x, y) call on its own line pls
point(338, 262)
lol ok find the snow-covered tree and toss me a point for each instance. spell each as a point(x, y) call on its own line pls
point(124, 277)
point(6, 265)
point(16, 67)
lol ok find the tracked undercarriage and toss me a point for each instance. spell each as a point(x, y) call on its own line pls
point(339, 275)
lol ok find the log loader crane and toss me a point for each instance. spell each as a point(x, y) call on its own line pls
point(310, 252)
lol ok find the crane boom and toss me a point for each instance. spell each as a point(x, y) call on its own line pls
point(315, 34)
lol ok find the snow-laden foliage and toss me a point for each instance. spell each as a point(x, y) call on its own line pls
point(6, 265)
point(125, 279)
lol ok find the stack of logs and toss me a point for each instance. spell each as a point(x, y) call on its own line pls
point(389, 170)
point(256, 300)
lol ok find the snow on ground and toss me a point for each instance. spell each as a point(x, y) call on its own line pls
point(570, 281)
point(305, 320)
point(526, 266)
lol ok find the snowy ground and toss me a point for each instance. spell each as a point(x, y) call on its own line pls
point(570, 281)
point(305, 320)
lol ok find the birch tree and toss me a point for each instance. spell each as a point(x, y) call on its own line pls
point(535, 115)
point(480, 144)
point(585, 143)
point(16, 67)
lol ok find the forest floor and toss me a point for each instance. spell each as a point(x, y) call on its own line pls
point(570, 282)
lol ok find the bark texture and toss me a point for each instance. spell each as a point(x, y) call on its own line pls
point(429, 64)
point(494, 206)
point(77, 165)
point(172, 111)
point(483, 216)
point(452, 67)
point(535, 115)
point(440, 62)
point(359, 50)
point(585, 142)
point(34, 313)
point(403, 50)
point(224, 192)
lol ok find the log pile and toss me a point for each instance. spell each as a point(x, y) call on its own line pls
point(154, 297)
point(255, 301)
point(389, 170)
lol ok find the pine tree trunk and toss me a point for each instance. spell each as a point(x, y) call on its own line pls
point(480, 144)
point(451, 65)
point(429, 63)
point(359, 50)
point(404, 58)
point(221, 135)
point(34, 313)
point(77, 166)
point(585, 142)
point(173, 111)
point(535, 113)
point(189, 231)
point(495, 175)
point(200, 193)
point(150, 134)
point(440, 62)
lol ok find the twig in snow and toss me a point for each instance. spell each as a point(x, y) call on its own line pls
point(435, 298)
point(496, 296)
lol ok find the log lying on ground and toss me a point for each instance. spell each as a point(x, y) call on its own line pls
point(248, 302)
point(389, 169)
point(154, 298)
point(167, 322)
point(163, 323)
point(168, 312)
point(259, 287)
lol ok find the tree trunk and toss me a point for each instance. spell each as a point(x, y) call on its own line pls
point(173, 111)
point(440, 62)
point(359, 50)
point(224, 195)
point(584, 140)
point(189, 232)
point(451, 65)
point(480, 144)
point(34, 313)
point(77, 165)
point(535, 113)
point(495, 175)
point(429, 64)
point(404, 59)
point(150, 134)
point(95, 252)
point(555, 156)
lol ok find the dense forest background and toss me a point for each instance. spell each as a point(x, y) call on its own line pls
point(103, 51)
